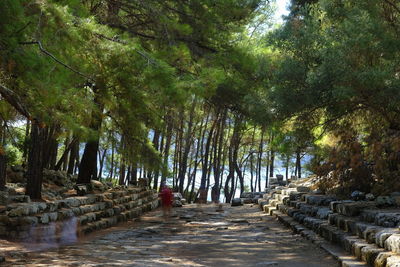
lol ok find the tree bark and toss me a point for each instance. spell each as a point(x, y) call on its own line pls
point(186, 149)
point(204, 169)
point(35, 161)
point(88, 164)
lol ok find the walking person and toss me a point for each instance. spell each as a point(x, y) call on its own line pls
point(166, 200)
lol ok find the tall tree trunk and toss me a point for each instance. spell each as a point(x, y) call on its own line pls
point(35, 161)
point(267, 169)
point(186, 150)
point(166, 149)
point(260, 153)
point(298, 163)
point(271, 165)
point(3, 160)
point(199, 151)
point(73, 156)
point(64, 156)
point(26, 144)
point(63, 161)
point(204, 169)
point(157, 172)
point(102, 160)
point(219, 139)
point(111, 171)
point(88, 164)
point(287, 167)
point(134, 177)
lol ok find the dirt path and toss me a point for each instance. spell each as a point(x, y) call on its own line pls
point(196, 236)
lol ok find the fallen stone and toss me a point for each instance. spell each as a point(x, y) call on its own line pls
point(384, 201)
point(176, 203)
point(237, 202)
point(357, 195)
point(369, 197)
point(303, 189)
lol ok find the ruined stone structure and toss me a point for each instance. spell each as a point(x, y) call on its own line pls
point(62, 221)
point(365, 229)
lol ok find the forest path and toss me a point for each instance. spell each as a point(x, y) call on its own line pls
point(194, 236)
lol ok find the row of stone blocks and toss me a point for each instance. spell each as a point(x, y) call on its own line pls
point(39, 221)
point(369, 233)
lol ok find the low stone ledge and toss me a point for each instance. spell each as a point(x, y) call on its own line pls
point(81, 214)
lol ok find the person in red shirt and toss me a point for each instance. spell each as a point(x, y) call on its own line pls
point(166, 200)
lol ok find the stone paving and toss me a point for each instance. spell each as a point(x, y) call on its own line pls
point(194, 236)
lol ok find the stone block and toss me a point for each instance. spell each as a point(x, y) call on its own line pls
point(384, 201)
point(303, 189)
point(381, 236)
point(392, 243)
point(393, 261)
point(354, 208)
point(237, 202)
point(370, 253)
point(247, 200)
point(19, 211)
point(380, 260)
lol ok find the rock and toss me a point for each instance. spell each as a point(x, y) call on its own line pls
point(176, 203)
point(2, 259)
point(392, 243)
point(317, 191)
point(237, 202)
point(303, 189)
point(354, 208)
point(369, 197)
point(81, 189)
point(4, 197)
point(357, 195)
point(19, 211)
point(177, 196)
point(142, 182)
point(384, 201)
point(393, 261)
point(20, 198)
point(246, 195)
point(247, 200)
point(97, 185)
point(184, 201)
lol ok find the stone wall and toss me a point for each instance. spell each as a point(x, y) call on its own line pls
point(62, 221)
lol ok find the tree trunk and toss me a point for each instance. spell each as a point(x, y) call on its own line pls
point(134, 177)
point(204, 169)
point(260, 153)
point(88, 164)
point(35, 162)
point(3, 161)
point(287, 167)
point(102, 159)
point(166, 149)
point(73, 156)
point(26, 144)
point(157, 172)
point(111, 171)
point(298, 163)
point(271, 165)
point(186, 150)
